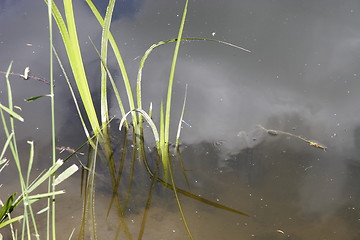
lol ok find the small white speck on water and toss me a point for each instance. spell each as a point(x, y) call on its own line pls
point(173, 230)
point(217, 200)
point(213, 33)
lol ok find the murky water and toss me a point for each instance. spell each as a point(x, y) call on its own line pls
point(301, 77)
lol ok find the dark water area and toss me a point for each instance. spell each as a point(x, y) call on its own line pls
point(302, 77)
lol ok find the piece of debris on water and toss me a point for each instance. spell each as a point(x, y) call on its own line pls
point(272, 132)
point(68, 149)
point(26, 73)
point(314, 144)
point(280, 231)
point(277, 132)
point(268, 131)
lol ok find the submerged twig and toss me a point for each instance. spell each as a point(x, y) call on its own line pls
point(277, 132)
point(26, 76)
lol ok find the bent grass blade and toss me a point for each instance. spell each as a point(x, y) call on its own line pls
point(65, 174)
point(12, 113)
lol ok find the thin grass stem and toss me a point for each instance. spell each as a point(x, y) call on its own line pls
point(181, 119)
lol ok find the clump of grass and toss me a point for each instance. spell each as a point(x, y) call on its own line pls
point(27, 186)
point(161, 133)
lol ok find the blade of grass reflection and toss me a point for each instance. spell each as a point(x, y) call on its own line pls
point(131, 177)
point(178, 154)
point(170, 186)
point(148, 202)
point(119, 172)
point(193, 196)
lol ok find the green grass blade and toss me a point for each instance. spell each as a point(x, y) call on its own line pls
point(149, 121)
point(12, 113)
point(117, 94)
point(31, 160)
point(60, 22)
point(75, 59)
point(163, 146)
point(181, 119)
point(172, 74)
point(8, 141)
point(104, 50)
point(13, 143)
point(150, 109)
point(69, 36)
point(43, 178)
point(152, 47)
point(53, 137)
point(162, 125)
point(37, 97)
point(7, 208)
point(13, 220)
point(119, 61)
point(45, 195)
point(65, 174)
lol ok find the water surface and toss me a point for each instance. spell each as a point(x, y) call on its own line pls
point(301, 77)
